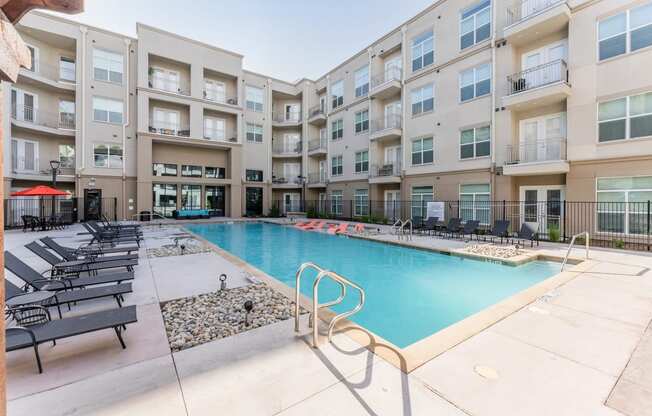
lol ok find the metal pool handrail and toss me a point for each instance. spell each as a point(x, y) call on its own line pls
point(402, 230)
point(343, 282)
point(570, 246)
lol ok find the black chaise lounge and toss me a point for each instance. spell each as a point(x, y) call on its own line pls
point(111, 230)
point(529, 232)
point(61, 266)
point(470, 228)
point(114, 225)
point(94, 250)
point(48, 330)
point(71, 254)
point(430, 225)
point(34, 279)
point(452, 228)
point(112, 239)
point(499, 230)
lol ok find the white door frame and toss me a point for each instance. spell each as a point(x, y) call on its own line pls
point(390, 212)
point(540, 148)
point(542, 200)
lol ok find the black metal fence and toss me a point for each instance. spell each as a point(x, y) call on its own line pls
point(68, 209)
point(624, 225)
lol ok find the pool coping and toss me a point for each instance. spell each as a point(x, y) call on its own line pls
point(415, 355)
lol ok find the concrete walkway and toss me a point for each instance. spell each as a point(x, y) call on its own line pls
point(581, 350)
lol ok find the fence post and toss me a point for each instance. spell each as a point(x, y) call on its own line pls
point(648, 224)
point(564, 213)
point(115, 209)
point(504, 208)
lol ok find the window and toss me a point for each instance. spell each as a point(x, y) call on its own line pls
point(66, 156)
point(254, 98)
point(33, 54)
point(625, 32)
point(336, 202)
point(214, 128)
point(190, 196)
point(474, 203)
point(362, 82)
point(625, 118)
point(66, 114)
point(475, 24)
point(107, 66)
point(107, 110)
point(165, 79)
point(164, 169)
point(24, 154)
point(214, 90)
point(166, 121)
point(67, 69)
point(216, 173)
point(361, 202)
point(422, 100)
point(475, 142)
point(337, 129)
point(622, 204)
point(254, 133)
point(337, 94)
point(421, 195)
point(422, 51)
point(422, 152)
point(192, 171)
point(475, 82)
point(336, 166)
point(164, 199)
point(252, 175)
point(214, 197)
point(107, 156)
point(362, 162)
point(361, 121)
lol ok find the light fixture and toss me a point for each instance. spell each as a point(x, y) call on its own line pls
point(54, 164)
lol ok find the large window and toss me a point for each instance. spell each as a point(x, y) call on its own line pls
point(107, 110)
point(214, 128)
point(337, 129)
point(362, 162)
point(215, 198)
point(423, 53)
point(67, 69)
point(475, 142)
point(190, 196)
point(215, 172)
point(475, 82)
point(24, 155)
point(422, 151)
point(164, 169)
point(421, 195)
point(474, 203)
point(107, 156)
point(254, 98)
point(337, 94)
point(66, 156)
point(622, 204)
point(336, 202)
point(336, 166)
point(254, 133)
point(66, 114)
point(107, 66)
point(253, 175)
point(361, 202)
point(214, 90)
point(625, 118)
point(164, 199)
point(475, 24)
point(192, 171)
point(362, 81)
point(361, 121)
point(625, 32)
point(423, 100)
point(165, 79)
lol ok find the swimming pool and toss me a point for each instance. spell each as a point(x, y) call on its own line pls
point(410, 293)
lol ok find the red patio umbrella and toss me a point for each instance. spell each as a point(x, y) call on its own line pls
point(40, 190)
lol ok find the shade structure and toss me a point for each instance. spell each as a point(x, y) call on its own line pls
point(40, 190)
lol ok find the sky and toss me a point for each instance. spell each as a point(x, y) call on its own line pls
point(285, 39)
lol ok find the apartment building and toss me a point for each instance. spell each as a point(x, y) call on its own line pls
point(472, 100)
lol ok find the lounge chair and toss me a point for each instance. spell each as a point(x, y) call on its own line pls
point(317, 225)
point(108, 224)
point(470, 228)
point(359, 228)
point(112, 239)
point(452, 228)
point(417, 223)
point(431, 225)
point(500, 229)
point(36, 280)
point(306, 225)
point(48, 330)
point(529, 232)
point(71, 254)
point(61, 266)
point(338, 228)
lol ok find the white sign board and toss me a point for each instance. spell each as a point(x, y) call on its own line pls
point(435, 209)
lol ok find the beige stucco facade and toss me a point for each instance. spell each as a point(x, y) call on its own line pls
point(526, 89)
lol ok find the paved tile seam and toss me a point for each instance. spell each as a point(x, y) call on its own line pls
point(618, 321)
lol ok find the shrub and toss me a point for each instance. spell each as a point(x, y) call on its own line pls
point(619, 244)
point(274, 212)
point(311, 213)
point(553, 234)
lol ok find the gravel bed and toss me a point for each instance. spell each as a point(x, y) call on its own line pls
point(503, 252)
point(190, 246)
point(199, 319)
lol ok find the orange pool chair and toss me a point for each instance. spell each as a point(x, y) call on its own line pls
point(359, 228)
point(316, 227)
point(338, 229)
point(305, 225)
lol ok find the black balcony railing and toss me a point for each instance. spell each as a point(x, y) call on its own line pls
point(538, 76)
point(537, 150)
point(524, 9)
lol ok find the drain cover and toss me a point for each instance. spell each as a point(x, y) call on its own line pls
point(486, 372)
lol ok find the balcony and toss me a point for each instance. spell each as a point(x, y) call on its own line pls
point(317, 115)
point(169, 129)
point(387, 84)
point(60, 77)
point(536, 157)
point(538, 86)
point(317, 180)
point(218, 135)
point(168, 84)
point(286, 181)
point(288, 118)
point(386, 128)
point(318, 147)
point(43, 121)
point(528, 20)
point(390, 172)
point(286, 148)
point(218, 98)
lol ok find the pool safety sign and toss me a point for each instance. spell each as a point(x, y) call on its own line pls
point(435, 209)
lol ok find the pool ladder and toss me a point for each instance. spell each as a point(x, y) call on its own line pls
point(570, 247)
point(312, 320)
point(400, 229)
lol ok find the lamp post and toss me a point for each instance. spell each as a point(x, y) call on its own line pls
point(54, 165)
point(303, 180)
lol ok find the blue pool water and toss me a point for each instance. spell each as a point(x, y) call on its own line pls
point(411, 293)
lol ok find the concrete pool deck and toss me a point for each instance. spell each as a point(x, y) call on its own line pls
point(583, 349)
